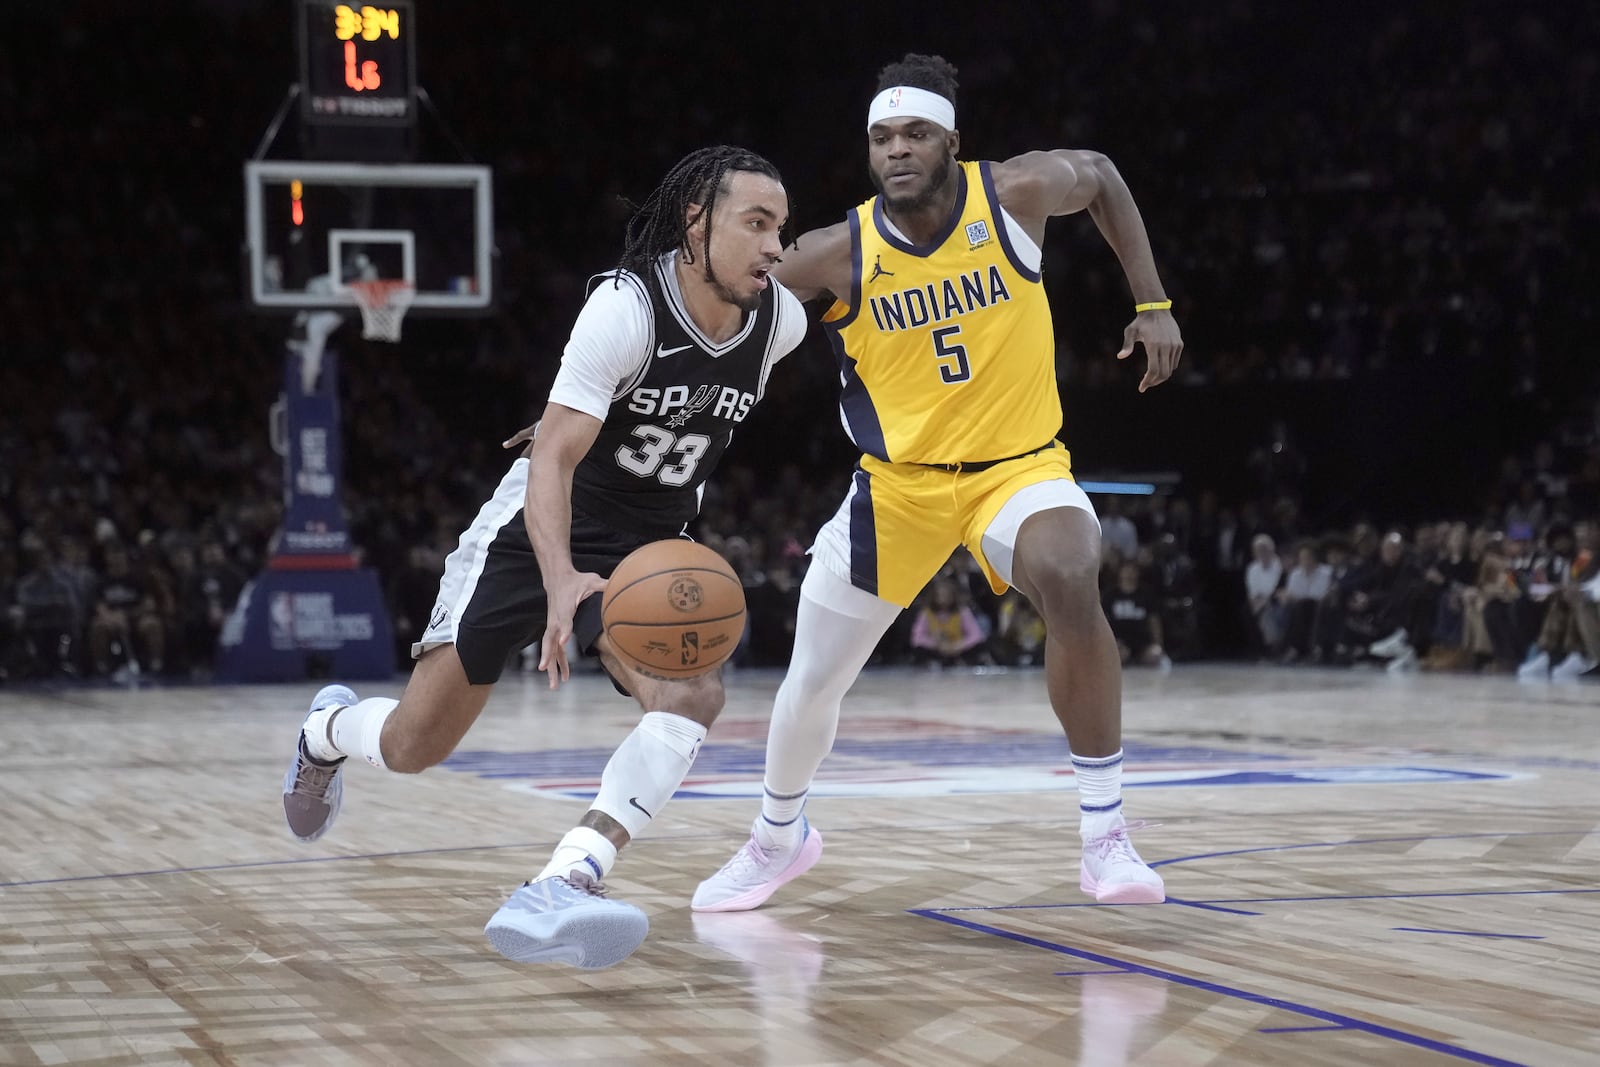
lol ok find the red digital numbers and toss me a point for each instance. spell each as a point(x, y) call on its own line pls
point(369, 24)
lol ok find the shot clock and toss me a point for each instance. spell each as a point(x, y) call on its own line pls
point(357, 63)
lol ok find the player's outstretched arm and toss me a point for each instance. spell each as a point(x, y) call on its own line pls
point(1036, 186)
point(817, 263)
point(565, 437)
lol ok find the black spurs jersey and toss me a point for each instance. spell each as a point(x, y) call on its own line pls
point(670, 421)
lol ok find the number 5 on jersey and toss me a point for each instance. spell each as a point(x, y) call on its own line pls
point(646, 460)
point(952, 357)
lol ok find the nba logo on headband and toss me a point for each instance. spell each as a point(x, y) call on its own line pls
point(907, 101)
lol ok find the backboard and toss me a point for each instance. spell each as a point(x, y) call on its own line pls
point(313, 227)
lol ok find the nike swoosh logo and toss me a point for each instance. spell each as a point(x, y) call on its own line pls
point(635, 802)
point(661, 351)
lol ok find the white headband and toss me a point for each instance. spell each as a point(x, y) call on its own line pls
point(906, 102)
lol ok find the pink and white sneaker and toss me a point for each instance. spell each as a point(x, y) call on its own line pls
point(1113, 873)
point(756, 872)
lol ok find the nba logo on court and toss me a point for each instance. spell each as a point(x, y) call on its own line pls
point(977, 234)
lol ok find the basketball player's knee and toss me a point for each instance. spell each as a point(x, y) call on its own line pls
point(1067, 584)
point(815, 680)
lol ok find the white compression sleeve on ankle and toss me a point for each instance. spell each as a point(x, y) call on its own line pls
point(837, 628)
point(358, 730)
point(647, 768)
point(583, 849)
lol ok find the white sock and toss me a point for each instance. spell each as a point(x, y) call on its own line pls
point(647, 768)
point(780, 822)
point(1099, 792)
point(356, 730)
point(582, 849)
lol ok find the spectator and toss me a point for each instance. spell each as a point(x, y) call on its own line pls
point(1019, 632)
point(51, 620)
point(1577, 602)
point(1489, 628)
point(1385, 602)
point(1178, 592)
point(1262, 579)
point(946, 632)
point(1303, 589)
point(1452, 572)
point(1116, 529)
point(126, 620)
point(1131, 608)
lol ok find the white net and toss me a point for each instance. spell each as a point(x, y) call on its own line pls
point(383, 304)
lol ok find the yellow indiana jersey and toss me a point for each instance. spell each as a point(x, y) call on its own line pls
point(946, 350)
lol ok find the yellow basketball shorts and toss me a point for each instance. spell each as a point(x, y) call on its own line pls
point(900, 522)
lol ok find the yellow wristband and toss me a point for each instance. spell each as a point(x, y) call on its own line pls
point(1154, 305)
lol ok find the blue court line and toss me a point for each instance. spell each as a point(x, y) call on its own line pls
point(1297, 1029)
point(1080, 974)
point(1467, 933)
point(1338, 1021)
point(1208, 904)
point(856, 829)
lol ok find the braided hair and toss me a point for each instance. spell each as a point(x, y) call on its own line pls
point(933, 73)
point(661, 224)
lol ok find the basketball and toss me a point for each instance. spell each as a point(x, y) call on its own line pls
point(673, 609)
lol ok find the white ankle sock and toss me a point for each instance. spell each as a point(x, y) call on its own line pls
point(1099, 792)
point(780, 822)
point(357, 730)
point(582, 849)
point(647, 768)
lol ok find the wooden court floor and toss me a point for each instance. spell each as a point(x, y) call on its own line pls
point(1363, 869)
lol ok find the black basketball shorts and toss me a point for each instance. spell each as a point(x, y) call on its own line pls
point(491, 599)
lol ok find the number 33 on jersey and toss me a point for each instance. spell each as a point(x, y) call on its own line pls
point(672, 417)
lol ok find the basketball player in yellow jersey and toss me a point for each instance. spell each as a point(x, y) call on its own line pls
point(947, 357)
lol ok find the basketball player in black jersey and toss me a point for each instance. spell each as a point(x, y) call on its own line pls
point(668, 356)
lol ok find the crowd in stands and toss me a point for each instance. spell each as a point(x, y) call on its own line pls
point(1413, 196)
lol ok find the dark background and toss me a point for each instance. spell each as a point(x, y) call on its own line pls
point(1378, 223)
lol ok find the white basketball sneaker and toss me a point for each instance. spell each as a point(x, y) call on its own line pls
point(756, 872)
point(1112, 871)
point(312, 789)
point(566, 919)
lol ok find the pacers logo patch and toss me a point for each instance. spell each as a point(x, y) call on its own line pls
point(978, 234)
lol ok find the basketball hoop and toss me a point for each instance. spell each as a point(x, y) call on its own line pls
point(383, 303)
